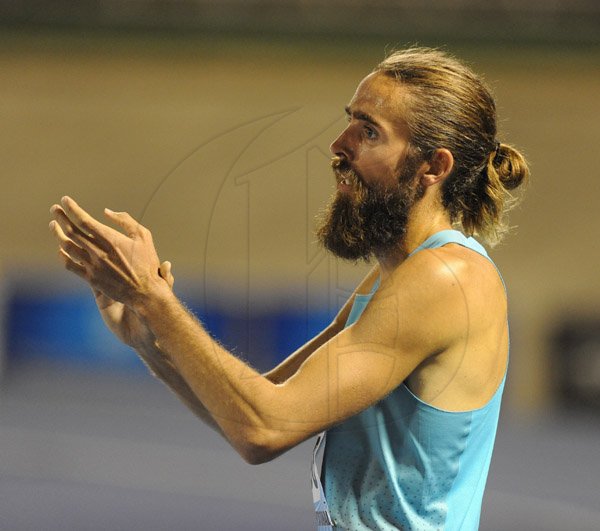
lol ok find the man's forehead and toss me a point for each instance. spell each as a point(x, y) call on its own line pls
point(382, 97)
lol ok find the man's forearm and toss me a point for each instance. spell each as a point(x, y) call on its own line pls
point(240, 400)
point(166, 372)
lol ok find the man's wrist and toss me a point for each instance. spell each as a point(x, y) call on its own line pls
point(153, 301)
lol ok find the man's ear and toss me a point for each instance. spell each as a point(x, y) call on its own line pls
point(438, 167)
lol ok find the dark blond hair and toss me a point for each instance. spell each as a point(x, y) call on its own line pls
point(449, 106)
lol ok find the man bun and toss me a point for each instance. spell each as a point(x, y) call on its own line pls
point(484, 210)
point(509, 166)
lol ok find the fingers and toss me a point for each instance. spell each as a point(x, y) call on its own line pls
point(71, 265)
point(78, 224)
point(70, 231)
point(125, 221)
point(68, 247)
point(87, 225)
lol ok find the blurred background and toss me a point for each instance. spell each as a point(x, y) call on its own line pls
point(210, 122)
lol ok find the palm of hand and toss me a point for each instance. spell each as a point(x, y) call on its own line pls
point(122, 321)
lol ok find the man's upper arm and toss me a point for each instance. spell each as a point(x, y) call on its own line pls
point(405, 322)
point(292, 363)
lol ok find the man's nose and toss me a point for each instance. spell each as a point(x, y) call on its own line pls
point(341, 146)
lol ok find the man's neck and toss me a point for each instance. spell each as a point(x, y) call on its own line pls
point(426, 218)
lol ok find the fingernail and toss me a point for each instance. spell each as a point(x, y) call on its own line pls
point(108, 211)
point(64, 199)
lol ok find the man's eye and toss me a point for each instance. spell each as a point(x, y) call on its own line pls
point(370, 133)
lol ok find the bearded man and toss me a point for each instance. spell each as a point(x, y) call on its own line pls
point(404, 386)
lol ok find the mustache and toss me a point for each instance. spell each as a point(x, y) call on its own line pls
point(342, 169)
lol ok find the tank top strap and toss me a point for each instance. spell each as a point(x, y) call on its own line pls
point(451, 236)
point(454, 236)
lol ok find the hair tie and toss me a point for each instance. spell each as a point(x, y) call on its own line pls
point(495, 154)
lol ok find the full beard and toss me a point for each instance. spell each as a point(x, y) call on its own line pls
point(369, 220)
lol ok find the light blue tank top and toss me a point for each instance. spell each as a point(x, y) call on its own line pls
point(404, 464)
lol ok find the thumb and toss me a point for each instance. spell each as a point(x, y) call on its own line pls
point(165, 272)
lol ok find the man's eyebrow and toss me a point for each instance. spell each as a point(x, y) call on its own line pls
point(361, 116)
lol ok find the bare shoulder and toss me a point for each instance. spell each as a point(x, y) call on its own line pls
point(454, 265)
point(476, 274)
point(443, 270)
point(440, 294)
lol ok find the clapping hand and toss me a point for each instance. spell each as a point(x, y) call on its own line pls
point(118, 266)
